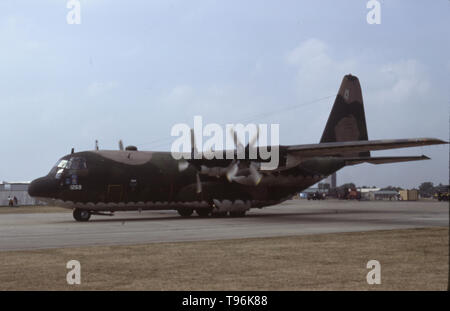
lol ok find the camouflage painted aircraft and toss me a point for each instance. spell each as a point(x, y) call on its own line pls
point(100, 182)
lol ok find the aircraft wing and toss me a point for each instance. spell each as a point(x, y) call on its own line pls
point(383, 160)
point(352, 147)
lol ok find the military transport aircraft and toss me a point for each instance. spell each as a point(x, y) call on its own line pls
point(100, 182)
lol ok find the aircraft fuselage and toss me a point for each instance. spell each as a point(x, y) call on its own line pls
point(131, 180)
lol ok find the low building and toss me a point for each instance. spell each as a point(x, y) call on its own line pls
point(409, 195)
point(386, 195)
point(368, 193)
point(18, 190)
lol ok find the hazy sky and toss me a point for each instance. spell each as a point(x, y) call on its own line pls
point(132, 69)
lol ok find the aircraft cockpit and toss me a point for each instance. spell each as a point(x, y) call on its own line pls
point(72, 164)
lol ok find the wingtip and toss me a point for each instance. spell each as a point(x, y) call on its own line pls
point(440, 141)
point(433, 141)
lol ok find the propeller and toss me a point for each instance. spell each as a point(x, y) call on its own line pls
point(247, 175)
point(251, 144)
point(253, 177)
point(194, 150)
point(232, 170)
point(183, 164)
point(253, 141)
point(199, 183)
point(237, 143)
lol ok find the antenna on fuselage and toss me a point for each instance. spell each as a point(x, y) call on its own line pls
point(72, 151)
point(96, 144)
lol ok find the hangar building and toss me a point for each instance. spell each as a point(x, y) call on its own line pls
point(18, 190)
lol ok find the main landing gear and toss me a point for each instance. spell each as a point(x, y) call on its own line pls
point(185, 212)
point(83, 215)
point(206, 212)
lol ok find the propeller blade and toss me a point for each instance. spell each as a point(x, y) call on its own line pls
point(250, 149)
point(199, 184)
point(254, 174)
point(232, 171)
point(255, 138)
point(120, 145)
point(193, 145)
point(237, 143)
point(182, 165)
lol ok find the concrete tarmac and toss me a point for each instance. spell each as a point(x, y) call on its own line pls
point(296, 217)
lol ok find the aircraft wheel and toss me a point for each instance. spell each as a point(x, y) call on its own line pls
point(81, 214)
point(185, 212)
point(237, 214)
point(203, 212)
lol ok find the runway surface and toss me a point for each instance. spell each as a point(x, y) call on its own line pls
point(296, 217)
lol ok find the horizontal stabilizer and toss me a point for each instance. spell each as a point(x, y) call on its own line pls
point(349, 148)
point(383, 160)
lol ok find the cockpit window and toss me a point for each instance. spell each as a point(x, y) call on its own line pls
point(62, 164)
point(58, 168)
point(58, 173)
point(76, 163)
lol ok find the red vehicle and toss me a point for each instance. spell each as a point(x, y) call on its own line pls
point(348, 194)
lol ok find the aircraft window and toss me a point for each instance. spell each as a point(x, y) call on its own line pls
point(76, 164)
point(58, 173)
point(62, 164)
point(58, 168)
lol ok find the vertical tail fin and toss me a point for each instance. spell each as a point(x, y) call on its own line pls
point(347, 120)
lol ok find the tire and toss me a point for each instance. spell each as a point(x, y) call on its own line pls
point(203, 212)
point(185, 212)
point(81, 214)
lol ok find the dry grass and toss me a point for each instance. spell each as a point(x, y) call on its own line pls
point(411, 259)
point(33, 209)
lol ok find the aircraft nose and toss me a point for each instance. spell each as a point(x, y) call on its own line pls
point(42, 187)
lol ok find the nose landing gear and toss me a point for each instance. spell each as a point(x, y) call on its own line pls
point(81, 214)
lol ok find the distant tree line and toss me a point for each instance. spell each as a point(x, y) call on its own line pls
point(426, 189)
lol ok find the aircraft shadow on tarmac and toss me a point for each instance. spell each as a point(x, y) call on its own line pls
point(335, 216)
